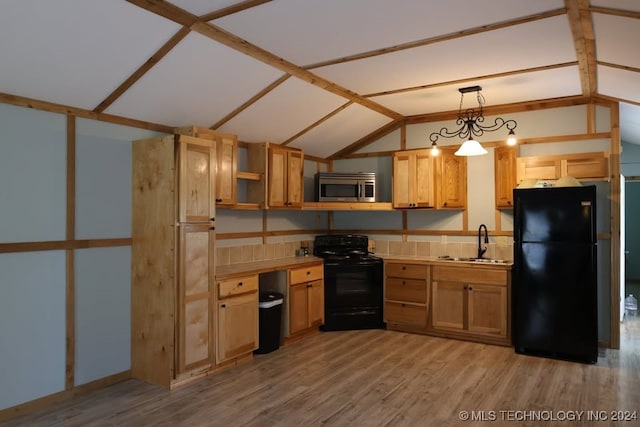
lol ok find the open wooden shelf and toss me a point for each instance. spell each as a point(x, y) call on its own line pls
point(250, 176)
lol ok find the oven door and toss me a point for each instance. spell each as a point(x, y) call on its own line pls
point(353, 284)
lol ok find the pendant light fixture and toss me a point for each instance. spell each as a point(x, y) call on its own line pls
point(470, 122)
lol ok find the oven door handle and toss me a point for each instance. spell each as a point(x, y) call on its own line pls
point(360, 190)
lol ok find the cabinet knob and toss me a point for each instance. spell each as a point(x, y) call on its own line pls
point(470, 288)
point(218, 200)
point(445, 204)
point(223, 306)
point(403, 282)
point(404, 268)
point(239, 283)
point(309, 286)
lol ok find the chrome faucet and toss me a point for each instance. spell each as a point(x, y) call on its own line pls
point(482, 250)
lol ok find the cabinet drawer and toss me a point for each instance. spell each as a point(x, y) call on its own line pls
point(306, 274)
point(407, 314)
point(470, 275)
point(239, 285)
point(412, 290)
point(415, 271)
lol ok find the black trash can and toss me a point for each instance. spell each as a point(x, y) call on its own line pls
point(270, 318)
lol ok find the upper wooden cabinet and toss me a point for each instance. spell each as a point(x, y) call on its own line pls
point(226, 146)
point(413, 179)
point(421, 180)
point(505, 175)
point(451, 181)
point(580, 165)
point(285, 177)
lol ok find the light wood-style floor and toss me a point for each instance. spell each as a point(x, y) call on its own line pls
point(374, 378)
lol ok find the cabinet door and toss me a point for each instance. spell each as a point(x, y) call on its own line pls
point(195, 290)
point(413, 184)
point(538, 168)
point(452, 180)
point(277, 177)
point(423, 189)
point(226, 173)
point(295, 171)
point(315, 297)
point(237, 326)
point(196, 182)
point(298, 308)
point(402, 180)
point(448, 305)
point(505, 175)
point(487, 309)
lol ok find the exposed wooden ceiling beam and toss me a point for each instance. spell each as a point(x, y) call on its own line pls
point(441, 38)
point(153, 60)
point(235, 42)
point(317, 123)
point(584, 40)
point(234, 8)
point(473, 79)
point(616, 12)
point(368, 139)
point(251, 101)
point(167, 10)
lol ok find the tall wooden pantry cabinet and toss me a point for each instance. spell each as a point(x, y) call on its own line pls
point(173, 246)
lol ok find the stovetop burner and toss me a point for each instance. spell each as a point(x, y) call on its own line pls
point(341, 245)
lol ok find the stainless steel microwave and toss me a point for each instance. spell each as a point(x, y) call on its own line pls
point(345, 187)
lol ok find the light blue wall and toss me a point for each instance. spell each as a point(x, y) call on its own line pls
point(32, 175)
point(33, 170)
point(32, 326)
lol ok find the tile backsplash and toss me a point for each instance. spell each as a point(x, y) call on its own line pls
point(261, 252)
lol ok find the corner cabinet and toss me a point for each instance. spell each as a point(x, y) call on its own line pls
point(505, 176)
point(285, 177)
point(421, 180)
point(305, 299)
point(172, 258)
point(471, 303)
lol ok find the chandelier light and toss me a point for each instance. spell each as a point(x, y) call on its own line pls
point(470, 122)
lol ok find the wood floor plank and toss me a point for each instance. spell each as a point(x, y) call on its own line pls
point(370, 378)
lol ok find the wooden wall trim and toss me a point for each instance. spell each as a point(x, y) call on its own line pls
point(614, 162)
point(70, 293)
point(52, 107)
point(56, 245)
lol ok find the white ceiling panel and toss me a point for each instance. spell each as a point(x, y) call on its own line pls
point(524, 46)
point(299, 105)
point(68, 52)
point(198, 82)
point(343, 129)
point(331, 29)
point(199, 7)
point(613, 36)
point(619, 83)
point(497, 91)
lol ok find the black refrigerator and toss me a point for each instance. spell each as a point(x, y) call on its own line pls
point(554, 292)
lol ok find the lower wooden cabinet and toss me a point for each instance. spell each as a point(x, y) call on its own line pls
point(306, 309)
point(471, 301)
point(406, 294)
point(306, 298)
point(237, 311)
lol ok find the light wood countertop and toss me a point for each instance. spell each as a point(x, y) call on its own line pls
point(257, 267)
point(433, 260)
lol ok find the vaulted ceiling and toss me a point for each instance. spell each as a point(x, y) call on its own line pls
point(320, 75)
